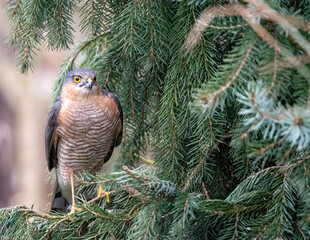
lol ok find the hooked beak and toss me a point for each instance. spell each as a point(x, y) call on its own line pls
point(89, 83)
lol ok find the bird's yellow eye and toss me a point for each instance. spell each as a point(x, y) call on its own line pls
point(95, 79)
point(77, 79)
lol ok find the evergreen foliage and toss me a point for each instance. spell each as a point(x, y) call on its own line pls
point(218, 91)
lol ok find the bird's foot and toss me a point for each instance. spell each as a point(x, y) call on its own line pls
point(102, 192)
point(74, 209)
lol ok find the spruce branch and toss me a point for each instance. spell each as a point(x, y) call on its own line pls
point(292, 124)
point(68, 63)
point(225, 10)
point(205, 190)
point(215, 95)
point(230, 27)
point(132, 174)
point(98, 215)
point(54, 225)
point(272, 15)
point(284, 168)
point(275, 69)
point(151, 30)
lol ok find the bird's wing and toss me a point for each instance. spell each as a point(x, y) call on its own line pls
point(50, 130)
point(119, 137)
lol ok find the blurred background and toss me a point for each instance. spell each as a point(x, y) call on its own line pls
point(24, 106)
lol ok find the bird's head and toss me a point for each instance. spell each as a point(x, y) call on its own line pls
point(82, 81)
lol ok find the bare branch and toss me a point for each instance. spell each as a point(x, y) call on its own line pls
point(226, 10)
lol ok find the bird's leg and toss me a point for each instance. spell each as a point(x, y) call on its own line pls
point(73, 208)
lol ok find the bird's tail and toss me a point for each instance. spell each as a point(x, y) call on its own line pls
point(59, 202)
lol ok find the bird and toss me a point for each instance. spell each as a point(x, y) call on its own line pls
point(83, 126)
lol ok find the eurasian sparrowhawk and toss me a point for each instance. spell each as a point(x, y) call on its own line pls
point(84, 125)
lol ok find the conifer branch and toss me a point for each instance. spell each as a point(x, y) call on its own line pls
point(275, 65)
point(230, 27)
point(146, 160)
point(198, 167)
point(151, 29)
point(112, 235)
point(274, 16)
point(225, 10)
point(54, 225)
point(272, 145)
point(284, 168)
point(236, 227)
point(205, 190)
point(214, 96)
point(308, 101)
point(84, 46)
point(16, 7)
point(81, 181)
point(302, 233)
point(131, 99)
point(255, 85)
point(127, 170)
point(96, 214)
point(280, 223)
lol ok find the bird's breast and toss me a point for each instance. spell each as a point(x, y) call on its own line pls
point(86, 131)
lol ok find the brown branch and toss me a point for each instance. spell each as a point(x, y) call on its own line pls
point(299, 23)
point(59, 15)
point(132, 191)
point(256, 107)
point(263, 150)
point(131, 99)
point(34, 20)
point(285, 168)
point(112, 235)
point(103, 216)
point(193, 173)
point(246, 134)
point(275, 64)
point(211, 129)
point(92, 13)
point(288, 62)
point(225, 10)
point(28, 227)
point(302, 233)
point(230, 27)
point(289, 23)
point(286, 154)
point(37, 214)
point(146, 160)
point(184, 210)
point(236, 226)
point(308, 101)
point(80, 181)
point(131, 173)
point(283, 21)
point(16, 7)
point(205, 190)
point(151, 29)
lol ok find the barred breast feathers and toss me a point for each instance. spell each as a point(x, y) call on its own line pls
point(87, 129)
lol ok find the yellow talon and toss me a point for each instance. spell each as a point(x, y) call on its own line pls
point(102, 192)
point(74, 209)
